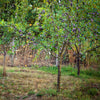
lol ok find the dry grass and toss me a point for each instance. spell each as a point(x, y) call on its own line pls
point(20, 81)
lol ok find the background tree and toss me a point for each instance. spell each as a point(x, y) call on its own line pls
point(6, 35)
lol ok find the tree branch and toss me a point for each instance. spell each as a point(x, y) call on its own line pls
point(93, 49)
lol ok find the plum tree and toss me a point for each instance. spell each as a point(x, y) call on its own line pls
point(67, 26)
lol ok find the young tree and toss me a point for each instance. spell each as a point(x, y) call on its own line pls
point(66, 25)
point(80, 24)
point(52, 37)
point(6, 35)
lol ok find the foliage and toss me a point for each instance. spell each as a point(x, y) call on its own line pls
point(67, 24)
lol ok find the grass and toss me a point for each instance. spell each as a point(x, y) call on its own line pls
point(54, 70)
point(0, 72)
point(40, 93)
point(91, 73)
point(31, 93)
point(92, 91)
point(24, 83)
point(49, 92)
point(72, 72)
point(25, 97)
point(87, 94)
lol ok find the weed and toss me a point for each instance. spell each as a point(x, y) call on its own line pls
point(91, 73)
point(40, 93)
point(35, 66)
point(92, 91)
point(31, 93)
point(25, 97)
point(18, 97)
point(84, 97)
point(11, 70)
point(38, 76)
point(0, 73)
point(49, 92)
point(55, 83)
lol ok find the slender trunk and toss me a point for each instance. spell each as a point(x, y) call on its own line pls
point(57, 61)
point(59, 66)
point(12, 56)
point(4, 67)
point(25, 56)
point(78, 64)
point(59, 77)
point(59, 74)
point(78, 60)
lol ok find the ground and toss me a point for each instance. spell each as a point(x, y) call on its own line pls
point(34, 84)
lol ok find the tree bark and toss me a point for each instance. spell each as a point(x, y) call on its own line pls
point(12, 56)
point(59, 66)
point(78, 60)
point(59, 74)
point(57, 60)
point(4, 67)
point(78, 64)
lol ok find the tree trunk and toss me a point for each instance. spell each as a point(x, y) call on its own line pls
point(78, 60)
point(4, 67)
point(78, 64)
point(59, 75)
point(12, 56)
point(57, 61)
